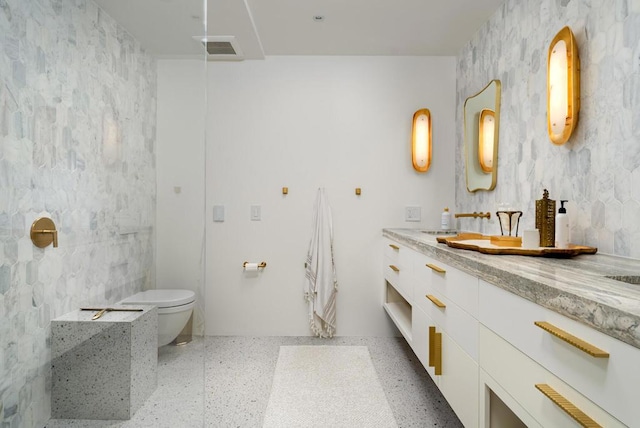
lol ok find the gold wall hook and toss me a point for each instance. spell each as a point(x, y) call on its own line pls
point(358, 191)
point(43, 233)
point(285, 190)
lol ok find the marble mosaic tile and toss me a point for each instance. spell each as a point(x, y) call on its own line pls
point(65, 66)
point(597, 169)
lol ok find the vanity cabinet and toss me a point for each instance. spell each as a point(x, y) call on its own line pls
point(441, 332)
point(598, 374)
point(481, 343)
point(512, 374)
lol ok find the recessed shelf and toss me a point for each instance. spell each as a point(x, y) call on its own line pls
point(399, 310)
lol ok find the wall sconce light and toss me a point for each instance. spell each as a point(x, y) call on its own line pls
point(421, 140)
point(563, 86)
point(486, 139)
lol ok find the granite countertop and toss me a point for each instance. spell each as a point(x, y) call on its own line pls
point(577, 288)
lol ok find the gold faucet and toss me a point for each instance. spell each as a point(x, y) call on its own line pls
point(475, 214)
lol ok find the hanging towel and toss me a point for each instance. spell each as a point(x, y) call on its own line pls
point(320, 283)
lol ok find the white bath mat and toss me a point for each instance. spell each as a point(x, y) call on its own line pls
point(327, 386)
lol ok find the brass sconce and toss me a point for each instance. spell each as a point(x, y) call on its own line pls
point(421, 140)
point(563, 86)
point(486, 139)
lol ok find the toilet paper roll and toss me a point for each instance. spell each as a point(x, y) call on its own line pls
point(251, 267)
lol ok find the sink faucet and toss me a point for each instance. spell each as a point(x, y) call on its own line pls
point(475, 214)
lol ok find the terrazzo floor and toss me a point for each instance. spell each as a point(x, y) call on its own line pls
point(226, 381)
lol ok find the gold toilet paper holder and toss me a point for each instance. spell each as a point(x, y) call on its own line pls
point(261, 265)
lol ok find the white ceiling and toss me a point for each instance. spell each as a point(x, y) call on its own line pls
point(287, 27)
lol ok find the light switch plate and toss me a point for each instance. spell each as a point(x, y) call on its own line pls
point(412, 214)
point(218, 213)
point(256, 213)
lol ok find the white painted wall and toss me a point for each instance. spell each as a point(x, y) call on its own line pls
point(180, 163)
point(305, 122)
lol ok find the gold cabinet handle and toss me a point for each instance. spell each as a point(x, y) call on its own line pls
point(572, 340)
point(395, 247)
point(436, 268)
point(394, 268)
point(435, 301)
point(432, 334)
point(567, 406)
point(437, 354)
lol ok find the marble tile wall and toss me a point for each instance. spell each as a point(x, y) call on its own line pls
point(77, 132)
point(598, 170)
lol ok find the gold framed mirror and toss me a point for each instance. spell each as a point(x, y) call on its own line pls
point(481, 132)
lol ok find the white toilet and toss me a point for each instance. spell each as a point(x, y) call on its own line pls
point(174, 310)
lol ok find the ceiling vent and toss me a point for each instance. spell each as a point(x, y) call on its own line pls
point(221, 48)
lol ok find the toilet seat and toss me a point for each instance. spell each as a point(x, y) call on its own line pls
point(167, 301)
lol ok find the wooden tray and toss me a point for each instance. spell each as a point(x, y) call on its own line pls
point(482, 243)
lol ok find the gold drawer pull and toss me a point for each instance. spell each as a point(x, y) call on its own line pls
point(572, 340)
point(436, 268)
point(435, 301)
point(437, 354)
point(432, 334)
point(567, 406)
point(395, 247)
point(394, 268)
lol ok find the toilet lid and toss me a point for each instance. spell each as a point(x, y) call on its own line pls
point(161, 298)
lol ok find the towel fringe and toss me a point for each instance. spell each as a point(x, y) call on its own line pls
point(325, 331)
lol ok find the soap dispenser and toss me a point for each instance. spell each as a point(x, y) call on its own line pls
point(445, 220)
point(562, 227)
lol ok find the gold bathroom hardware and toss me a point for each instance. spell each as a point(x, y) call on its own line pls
point(437, 354)
point(261, 265)
point(285, 190)
point(435, 350)
point(432, 334)
point(358, 191)
point(395, 247)
point(43, 233)
point(394, 268)
point(474, 214)
point(101, 311)
point(436, 268)
point(567, 406)
point(436, 301)
point(572, 340)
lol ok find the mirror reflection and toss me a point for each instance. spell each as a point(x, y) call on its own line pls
point(481, 130)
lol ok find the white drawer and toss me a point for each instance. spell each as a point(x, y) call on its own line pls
point(459, 287)
point(518, 375)
point(399, 277)
point(392, 250)
point(457, 323)
point(611, 382)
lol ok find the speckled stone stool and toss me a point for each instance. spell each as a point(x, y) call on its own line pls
point(104, 368)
